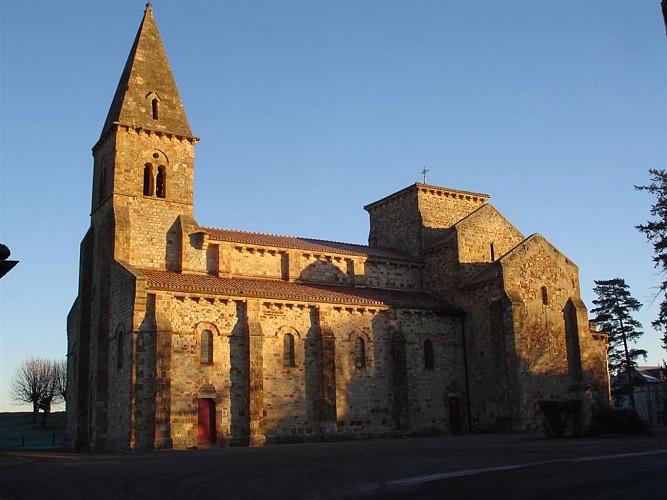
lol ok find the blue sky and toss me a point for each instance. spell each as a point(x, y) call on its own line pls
point(310, 110)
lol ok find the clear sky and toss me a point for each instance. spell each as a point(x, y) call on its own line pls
point(309, 110)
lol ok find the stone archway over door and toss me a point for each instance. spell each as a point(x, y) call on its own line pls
point(206, 421)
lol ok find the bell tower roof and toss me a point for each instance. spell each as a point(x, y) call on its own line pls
point(147, 96)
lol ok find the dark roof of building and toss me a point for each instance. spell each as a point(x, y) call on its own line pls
point(307, 244)
point(147, 75)
point(301, 292)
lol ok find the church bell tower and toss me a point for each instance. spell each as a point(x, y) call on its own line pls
point(144, 159)
point(143, 180)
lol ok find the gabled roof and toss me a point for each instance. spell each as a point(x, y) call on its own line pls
point(300, 292)
point(449, 233)
point(307, 244)
point(493, 271)
point(147, 76)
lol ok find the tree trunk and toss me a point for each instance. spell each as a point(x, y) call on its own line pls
point(46, 408)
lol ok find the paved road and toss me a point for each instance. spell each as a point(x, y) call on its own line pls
point(479, 466)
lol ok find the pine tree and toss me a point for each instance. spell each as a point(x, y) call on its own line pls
point(614, 308)
point(656, 232)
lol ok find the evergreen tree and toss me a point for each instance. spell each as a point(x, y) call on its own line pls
point(613, 315)
point(656, 232)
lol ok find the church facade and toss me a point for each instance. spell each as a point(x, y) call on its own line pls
point(449, 320)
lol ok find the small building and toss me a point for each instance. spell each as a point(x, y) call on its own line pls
point(183, 335)
point(650, 392)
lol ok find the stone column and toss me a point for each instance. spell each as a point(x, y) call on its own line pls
point(327, 372)
point(257, 435)
point(294, 266)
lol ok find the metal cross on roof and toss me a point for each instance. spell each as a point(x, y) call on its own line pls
point(423, 172)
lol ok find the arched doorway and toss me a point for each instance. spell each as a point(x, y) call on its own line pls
point(206, 421)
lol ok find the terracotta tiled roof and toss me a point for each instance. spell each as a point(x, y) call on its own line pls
point(285, 290)
point(273, 240)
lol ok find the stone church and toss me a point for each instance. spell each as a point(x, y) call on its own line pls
point(182, 335)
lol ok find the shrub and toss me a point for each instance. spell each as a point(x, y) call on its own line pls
point(562, 417)
point(614, 421)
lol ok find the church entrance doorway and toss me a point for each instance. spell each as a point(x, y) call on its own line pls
point(206, 421)
point(454, 415)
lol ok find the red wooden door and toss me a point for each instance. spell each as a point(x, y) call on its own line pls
point(206, 421)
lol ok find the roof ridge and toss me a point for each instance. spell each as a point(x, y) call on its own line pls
point(259, 233)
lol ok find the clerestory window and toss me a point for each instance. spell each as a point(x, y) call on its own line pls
point(360, 353)
point(429, 362)
point(206, 354)
point(545, 296)
point(288, 350)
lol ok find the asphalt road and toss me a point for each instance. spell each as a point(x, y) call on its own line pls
point(499, 466)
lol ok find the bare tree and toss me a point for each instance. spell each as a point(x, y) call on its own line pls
point(61, 379)
point(41, 383)
point(28, 384)
point(54, 388)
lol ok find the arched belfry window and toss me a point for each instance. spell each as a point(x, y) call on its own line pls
point(360, 353)
point(161, 182)
point(288, 350)
point(155, 104)
point(207, 347)
point(429, 362)
point(155, 107)
point(148, 179)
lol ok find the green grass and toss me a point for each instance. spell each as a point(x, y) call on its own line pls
point(17, 429)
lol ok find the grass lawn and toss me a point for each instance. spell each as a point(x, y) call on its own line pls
point(17, 430)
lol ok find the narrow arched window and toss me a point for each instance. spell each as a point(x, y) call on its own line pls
point(492, 251)
point(288, 350)
point(429, 363)
point(207, 347)
point(119, 348)
point(161, 182)
point(156, 111)
point(545, 296)
point(148, 179)
point(360, 353)
point(103, 183)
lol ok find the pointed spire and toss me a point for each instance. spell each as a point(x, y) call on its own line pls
point(147, 95)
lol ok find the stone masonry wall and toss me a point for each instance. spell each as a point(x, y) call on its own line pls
point(416, 217)
point(150, 218)
point(291, 392)
point(441, 208)
point(490, 357)
point(291, 395)
point(485, 236)
point(223, 380)
point(121, 346)
point(545, 281)
point(228, 259)
point(395, 222)
point(393, 275)
point(255, 262)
